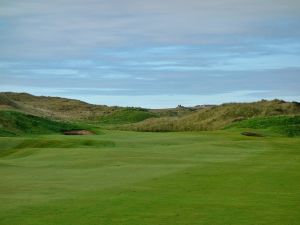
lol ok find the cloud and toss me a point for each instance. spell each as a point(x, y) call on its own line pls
point(65, 72)
point(63, 28)
point(151, 48)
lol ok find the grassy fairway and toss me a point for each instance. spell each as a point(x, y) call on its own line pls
point(127, 178)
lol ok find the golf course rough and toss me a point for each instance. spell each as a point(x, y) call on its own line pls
point(129, 178)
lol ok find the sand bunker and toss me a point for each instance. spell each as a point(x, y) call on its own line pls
point(78, 132)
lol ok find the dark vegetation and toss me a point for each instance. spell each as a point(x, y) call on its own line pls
point(251, 134)
point(14, 123)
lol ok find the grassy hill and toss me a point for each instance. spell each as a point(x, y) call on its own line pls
point(285, 125)
point(74, 110)
point(15, 123)
point(127, 115)
point(53, 107)
point(179, 111)
point(181, 118)
point(217, 117)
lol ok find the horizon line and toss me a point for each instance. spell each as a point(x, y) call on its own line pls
point(132, 106)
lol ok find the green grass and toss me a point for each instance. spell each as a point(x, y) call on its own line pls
point(285, 125)
point(127, 115)
point(129, 178)
point(15, 123)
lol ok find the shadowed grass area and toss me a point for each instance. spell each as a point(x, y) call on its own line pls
point(16, 123)
point(134, 178)
point(38, 142)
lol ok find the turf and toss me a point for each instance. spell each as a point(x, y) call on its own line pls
point(128, 178)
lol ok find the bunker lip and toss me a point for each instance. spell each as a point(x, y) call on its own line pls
point(252, 134)
point(78, 132)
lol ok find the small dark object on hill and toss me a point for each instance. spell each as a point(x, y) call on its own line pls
point(252, 134)
point(78, 132)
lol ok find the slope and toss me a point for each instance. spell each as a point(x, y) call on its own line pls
point(74, 110)
point(127, 115)
point(285, 125)
point(53, 107)
point(15, 123)
point(217, 117)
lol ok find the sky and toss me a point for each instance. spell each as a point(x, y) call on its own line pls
point(154, 54)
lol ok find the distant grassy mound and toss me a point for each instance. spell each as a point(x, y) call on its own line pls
point(198, 118)
point(127, 115)
point(218, 117)
point(53, 107)
point(74, 110)
point(286, 125)
point(179, 111)
point(6, 103)
point(15, 123)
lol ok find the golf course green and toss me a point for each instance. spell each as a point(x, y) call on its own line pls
point(139, 178)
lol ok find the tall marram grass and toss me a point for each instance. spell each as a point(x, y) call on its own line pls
point(217, 117)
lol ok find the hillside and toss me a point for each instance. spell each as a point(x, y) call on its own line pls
point(217, 117)
point(53, 107)
point(179, 111)
point(198, 118)
point(285, 125)
point(74, 110)
point(15, 123)
point(127, 115)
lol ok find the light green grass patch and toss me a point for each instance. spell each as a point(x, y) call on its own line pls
point(131, 178)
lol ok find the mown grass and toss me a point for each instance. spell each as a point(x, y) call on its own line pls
point(135, 178)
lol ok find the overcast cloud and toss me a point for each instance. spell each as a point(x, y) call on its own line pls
point(151, 53)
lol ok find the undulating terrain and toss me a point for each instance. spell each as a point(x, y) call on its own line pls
point(198, 118)
point(205, 172)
